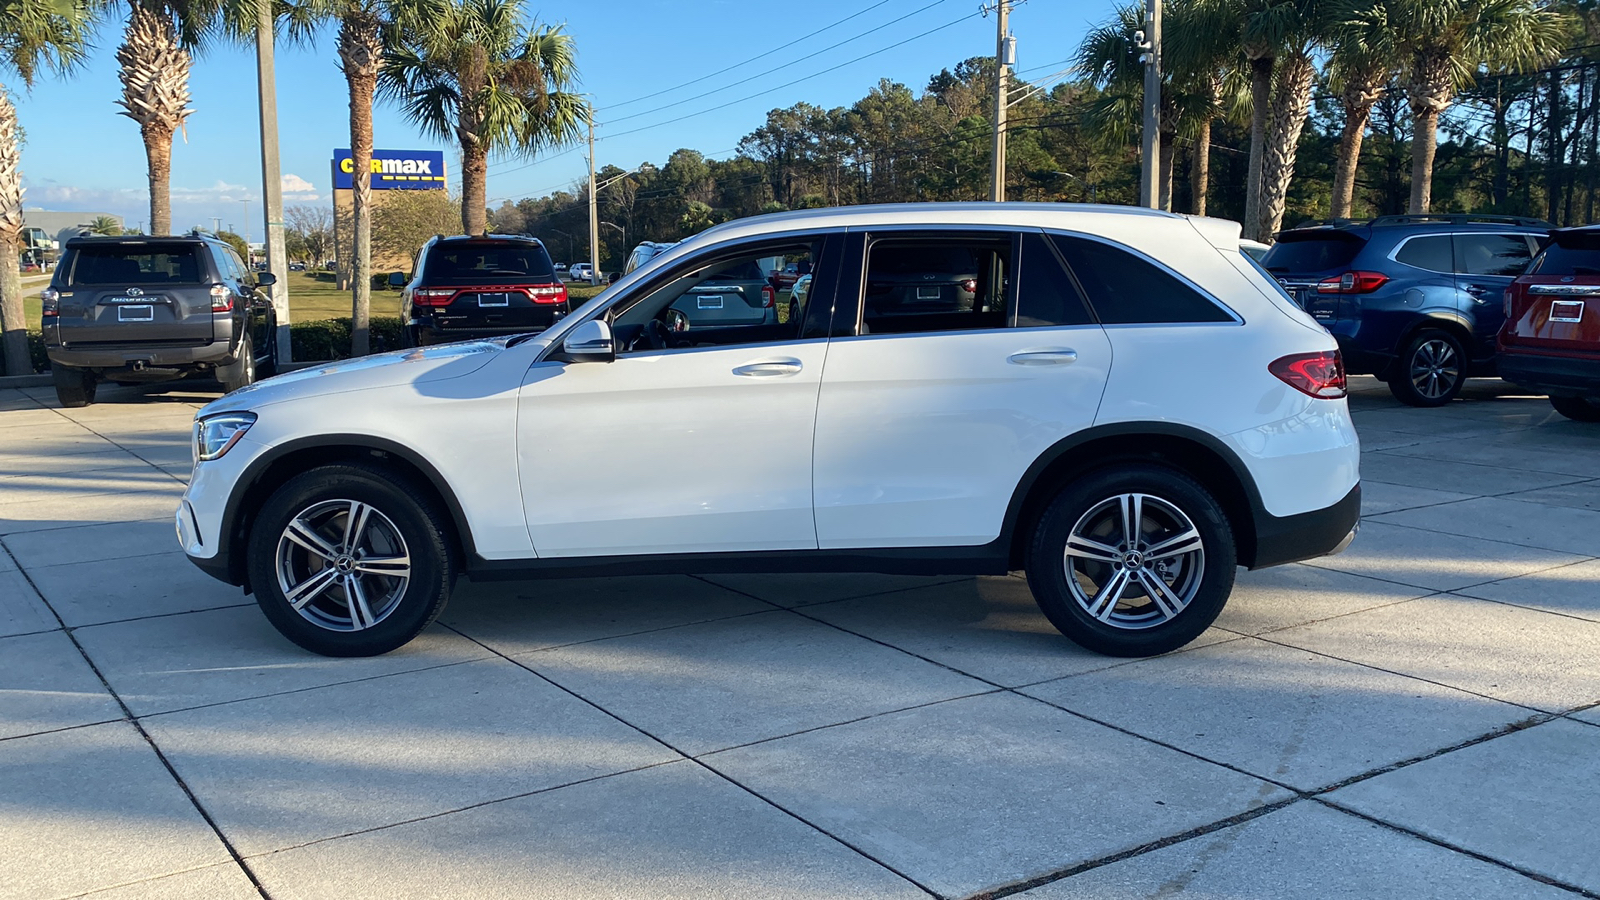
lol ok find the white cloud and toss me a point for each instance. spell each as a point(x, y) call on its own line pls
point(294, 184)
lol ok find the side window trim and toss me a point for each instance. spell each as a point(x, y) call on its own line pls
point(1188, 282)
point(1394, 254)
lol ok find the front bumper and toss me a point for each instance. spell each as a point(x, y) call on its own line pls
point(1558, 376)
point(1308, 535)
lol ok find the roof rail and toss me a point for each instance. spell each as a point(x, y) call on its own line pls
point(1463, 218)
point(1325, 223)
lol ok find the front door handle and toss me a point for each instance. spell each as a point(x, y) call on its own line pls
point(769, 368)
point(1046, 357)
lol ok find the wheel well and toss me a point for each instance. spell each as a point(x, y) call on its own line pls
point(1200, 462)
point(1435, 323)
point(281, 469)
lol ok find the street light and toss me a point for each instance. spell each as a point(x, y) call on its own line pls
point(621, 229)
point(1090, 190)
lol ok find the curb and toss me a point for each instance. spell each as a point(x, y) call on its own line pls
point(22, 381)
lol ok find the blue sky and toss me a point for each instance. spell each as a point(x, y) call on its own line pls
point(81, 154)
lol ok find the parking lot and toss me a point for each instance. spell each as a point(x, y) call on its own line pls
point(1416, 717)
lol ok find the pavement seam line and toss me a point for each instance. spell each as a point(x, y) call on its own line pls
point(131, 453)
point(1317, 563)
point(1379, 520)
point(1566, 615)
point(134, 722)
point(797, 817)
point(139, 881)
point(1481, 857)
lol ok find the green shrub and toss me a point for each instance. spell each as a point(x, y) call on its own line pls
point(330, 338)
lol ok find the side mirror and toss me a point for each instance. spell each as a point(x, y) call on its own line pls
point(266, 279)
point(397, 279)
point(590, 342)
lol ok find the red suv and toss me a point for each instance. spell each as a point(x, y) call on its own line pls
point(1550, 342)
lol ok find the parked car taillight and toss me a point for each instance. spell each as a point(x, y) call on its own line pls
point(1319, 375)
point(769, 296)
point(221, 298)
point(50, 303)
point(1505, 302)
point(548, 293)
point(1352, 283)
point(970, 285)
point(432, 296)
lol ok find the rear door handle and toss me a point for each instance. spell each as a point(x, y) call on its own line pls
point(769, 368)
point(1047, 357)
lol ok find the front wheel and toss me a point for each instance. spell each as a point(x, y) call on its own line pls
point(1430, 371)
point(242, 371)
point(1134, 560)
point(1578, 409)
point(350, 560)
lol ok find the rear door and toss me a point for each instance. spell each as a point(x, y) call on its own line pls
point(136, 293)
point(1486, 264)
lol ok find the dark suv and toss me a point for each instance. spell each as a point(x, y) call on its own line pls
point(140, 309)
point(475, 286)
point(1414, 300)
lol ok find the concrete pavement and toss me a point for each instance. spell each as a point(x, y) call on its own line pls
point(1418, 717)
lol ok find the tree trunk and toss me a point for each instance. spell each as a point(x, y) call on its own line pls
point(474, 187)
point(154, 70)
point(1429, 92)
point(1164, 167)
point(361, 56)
point(1357, 99)
point(13, 320)
point(1200, 170)
point(1291, 103)
point(1260, 97)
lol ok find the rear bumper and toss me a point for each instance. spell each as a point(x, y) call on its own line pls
point(1321, 532)
point(1558, 376)
point(133, 356)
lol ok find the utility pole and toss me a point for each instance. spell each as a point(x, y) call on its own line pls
point(594, 214)
point(1003, 54)
point(1149, 42)
point(271, 179)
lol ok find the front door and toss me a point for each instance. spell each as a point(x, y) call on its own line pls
point(695, 439)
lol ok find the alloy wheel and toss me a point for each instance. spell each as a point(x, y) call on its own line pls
point(1134, 561)
point(1434, 368)
point(343, 565)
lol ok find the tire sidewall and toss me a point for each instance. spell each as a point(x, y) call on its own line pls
point(432, 570)
point(1048, 579)
point(1401, 385)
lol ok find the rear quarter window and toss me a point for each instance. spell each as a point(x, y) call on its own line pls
point(1431, 252)
point(1124, 289)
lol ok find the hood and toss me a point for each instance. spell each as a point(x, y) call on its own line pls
point(416, 366)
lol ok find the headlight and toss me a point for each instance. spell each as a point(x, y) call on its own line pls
point(216, 435)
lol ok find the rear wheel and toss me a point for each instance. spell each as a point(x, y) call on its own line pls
point(242, 370)
point(350, 560)
point(1134, 560)
point(1430, 371)
point(74, 387)
point(1577, 409)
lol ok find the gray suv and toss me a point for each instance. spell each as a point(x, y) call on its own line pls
point(138, 309)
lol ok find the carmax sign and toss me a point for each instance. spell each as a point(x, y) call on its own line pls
point(409, 170)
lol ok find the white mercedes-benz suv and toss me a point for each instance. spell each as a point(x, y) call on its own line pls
point(1115, 400)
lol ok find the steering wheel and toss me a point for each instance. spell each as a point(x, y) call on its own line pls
point(655, 332)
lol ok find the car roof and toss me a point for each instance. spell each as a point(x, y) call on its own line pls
point(1421, 224)
point(85, 240)
point(485, 238)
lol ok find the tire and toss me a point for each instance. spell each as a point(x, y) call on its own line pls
point(399, 524)
point(1430, 370)
point(1090, 511)
point(1577, 409)
point(240, 372)
point(74, 387)
point(408, 337)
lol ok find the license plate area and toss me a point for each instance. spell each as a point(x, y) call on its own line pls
point(929, 293)
point(1566, 310)
point(494, 300)
point(142, 312)
point(708, 301)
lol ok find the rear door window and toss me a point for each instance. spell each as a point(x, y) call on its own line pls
point(138, 264)
point(1046, 294)
point(1431, 252)
point(1491, 254)
point(1125, 289)
point(485, 262)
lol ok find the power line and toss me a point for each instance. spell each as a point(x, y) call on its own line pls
point(750, 60)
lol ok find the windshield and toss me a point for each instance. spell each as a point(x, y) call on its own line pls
point(1315, 252)
point(134, 264)
point(464, 261)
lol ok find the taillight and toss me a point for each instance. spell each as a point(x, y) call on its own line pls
point(1505, 302)
point(1319, 375)
point(548, 293)
point(1352, 283)
point(769, 296)
point(970, 285)
point(50, 303)
point(433, 296)
point(221, 298)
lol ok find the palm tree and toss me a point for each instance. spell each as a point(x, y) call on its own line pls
point(1359, 70)
point(106, 225)
point(1441, 43)
point(34, 34)
point(480, 77)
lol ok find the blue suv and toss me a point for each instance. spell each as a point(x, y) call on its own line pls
point(1414, 300)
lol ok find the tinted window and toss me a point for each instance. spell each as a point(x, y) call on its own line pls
point(1045, 292)
point(1312, 253)
point(719, 302)
point(1124, 289)
point(1569, 255)
point(1431, 252)
point(464, 261)
point(935, 284)
point(1491, 254)
point(136, 264)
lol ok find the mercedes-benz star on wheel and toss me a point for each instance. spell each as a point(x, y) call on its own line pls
point(1115, 400)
